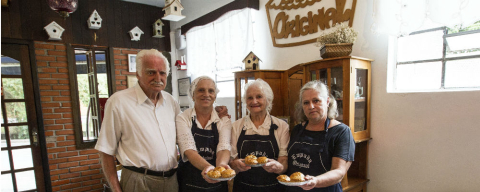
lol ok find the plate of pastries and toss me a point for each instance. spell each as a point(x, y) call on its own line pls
point(295, 179)
point(253, 161)
point(221, 174)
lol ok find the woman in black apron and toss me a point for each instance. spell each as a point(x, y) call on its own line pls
point(321, 148)
point(203, 157)
point(259, 134)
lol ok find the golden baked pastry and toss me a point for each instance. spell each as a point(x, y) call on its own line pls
point(250, 157)
point(214, 174)
point(283, 178)
point(251, 161)
point(262, 160)
point(228, 173)
point(297, 177)
point(220, 169)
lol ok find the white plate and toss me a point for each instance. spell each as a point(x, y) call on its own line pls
point(256, 165)
point(221, 179)
point(293, 183)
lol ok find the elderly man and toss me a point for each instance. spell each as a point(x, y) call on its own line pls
point(139, 129)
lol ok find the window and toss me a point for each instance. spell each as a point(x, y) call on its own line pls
point(90, 86)
point(438, 59)
point(218, 49)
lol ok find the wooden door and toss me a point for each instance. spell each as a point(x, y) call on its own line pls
point(22, 166)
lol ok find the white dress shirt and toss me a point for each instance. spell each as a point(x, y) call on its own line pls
point(139, 133)
point(184, 131)
point(281, 134)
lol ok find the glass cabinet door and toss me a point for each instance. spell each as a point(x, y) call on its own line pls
point(336, 89)
point(360, 100)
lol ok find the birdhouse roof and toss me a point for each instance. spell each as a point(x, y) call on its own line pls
point(93, 15)
point(54, 24)
point(249, 55)
point(159, 20)
point(136, 29)
point(166, 6)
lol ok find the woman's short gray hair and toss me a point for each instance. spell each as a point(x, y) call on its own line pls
point(195, 82)
point(266, 91)
point(150, 52)
point(321, 88)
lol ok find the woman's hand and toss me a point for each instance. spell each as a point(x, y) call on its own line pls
point(204, 174)
point(222, 111)
point(239, 166)
point(312, 182)
point(273, 166)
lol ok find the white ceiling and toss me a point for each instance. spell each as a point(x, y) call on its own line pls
point(156, 3)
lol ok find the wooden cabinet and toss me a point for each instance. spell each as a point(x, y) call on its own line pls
point(349, 80)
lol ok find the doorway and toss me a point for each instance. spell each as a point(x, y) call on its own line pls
point(24, 158)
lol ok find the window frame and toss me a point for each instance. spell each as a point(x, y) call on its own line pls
point(72, 70)
point(443, 59)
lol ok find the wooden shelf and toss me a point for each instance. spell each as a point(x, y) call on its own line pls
point(363, 140)
point(354, 183)
point(361, 99)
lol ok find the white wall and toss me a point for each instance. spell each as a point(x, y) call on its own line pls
point(421, 141)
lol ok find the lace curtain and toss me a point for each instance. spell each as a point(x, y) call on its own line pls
point(401, 17)
point(220, 45)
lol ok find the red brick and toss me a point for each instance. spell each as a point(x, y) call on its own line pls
point(90, 172)
point(54, 127)
point(67, 115)
point(124, 62)
point(52, 167)
point(44, 46)
point(80, 179)
point(61, 182)
point(57, 53)
point(121, 67)
point(72, 148)
point(70, 164)
point(66, 143)
point(58, 64)
point(70, 175)
point(67, 154)
point(50, 104)
point(89, 151)
point(69, 186)
point(98, 166)
point(70, 137)
point(49, 145)
point(63, 110)
point(116, 61)
point(60, 87)
point(77, 169)
point(39, 52)
point(41, 64)
point(58, 171)
point(64, 132)
point(60, 76)
point(129, 52)
point(48, 122)
point(69, 126)
point(95, 156)
point(49, 93)
point(63, 121)
point(55, 188)
point(82, 189)
point(89, 162)
point(62, 70)
point(99, 188)
point(61, 138)
point(118, 77)
point(78, 158)
point(45, 99)
point(97, 176)
point(47, 70)
point(44, 75)
point(127, 73)
point(91, 182)
point(53, 161)
point(61, 58)
point(48, 81)
point(60, 47)
point(47, 58)
point(120, 57)
point(65, 82)
point(52, 116)
point(51, 156)
point(61, 98)
point(56, 150)
point(45, 87)
point(54, 178)
point(44, 111)
point(66, 104)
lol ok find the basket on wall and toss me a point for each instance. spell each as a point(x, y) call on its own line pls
point(336, 50)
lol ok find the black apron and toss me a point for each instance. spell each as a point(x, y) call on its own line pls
point(257, 179)
point(308, 153)
point(189, 177)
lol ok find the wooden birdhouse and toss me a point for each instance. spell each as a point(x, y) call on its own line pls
point(54, 31)
point(94, 21)
point(252, 62)
point(135, 33)
point(158, 29)
point(173, 10)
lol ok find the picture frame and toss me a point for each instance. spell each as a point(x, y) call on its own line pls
point(183, 86)
point(132, 63)
point(131, 80)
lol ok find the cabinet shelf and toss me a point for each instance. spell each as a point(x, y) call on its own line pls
point(355, 183)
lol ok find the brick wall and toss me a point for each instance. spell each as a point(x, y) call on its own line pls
point(70, 169)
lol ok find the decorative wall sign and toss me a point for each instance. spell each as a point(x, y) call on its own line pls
point(132, 63)
point(293, 30)
point(54, 31)
point(183, 86)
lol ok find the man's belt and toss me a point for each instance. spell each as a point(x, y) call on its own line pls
point(168, 173)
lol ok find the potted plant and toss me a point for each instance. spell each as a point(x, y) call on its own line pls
point(337, 43)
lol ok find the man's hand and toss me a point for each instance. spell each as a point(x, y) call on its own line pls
point(222, 111)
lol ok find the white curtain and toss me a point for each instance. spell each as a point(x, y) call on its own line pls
point(401, 17)
point(220, 45)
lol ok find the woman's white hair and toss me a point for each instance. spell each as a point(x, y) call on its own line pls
point(195, 82)
point(321, 88)
point(266, 91)
point(150, 52)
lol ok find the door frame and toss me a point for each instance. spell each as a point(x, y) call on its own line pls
point(38, 108)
